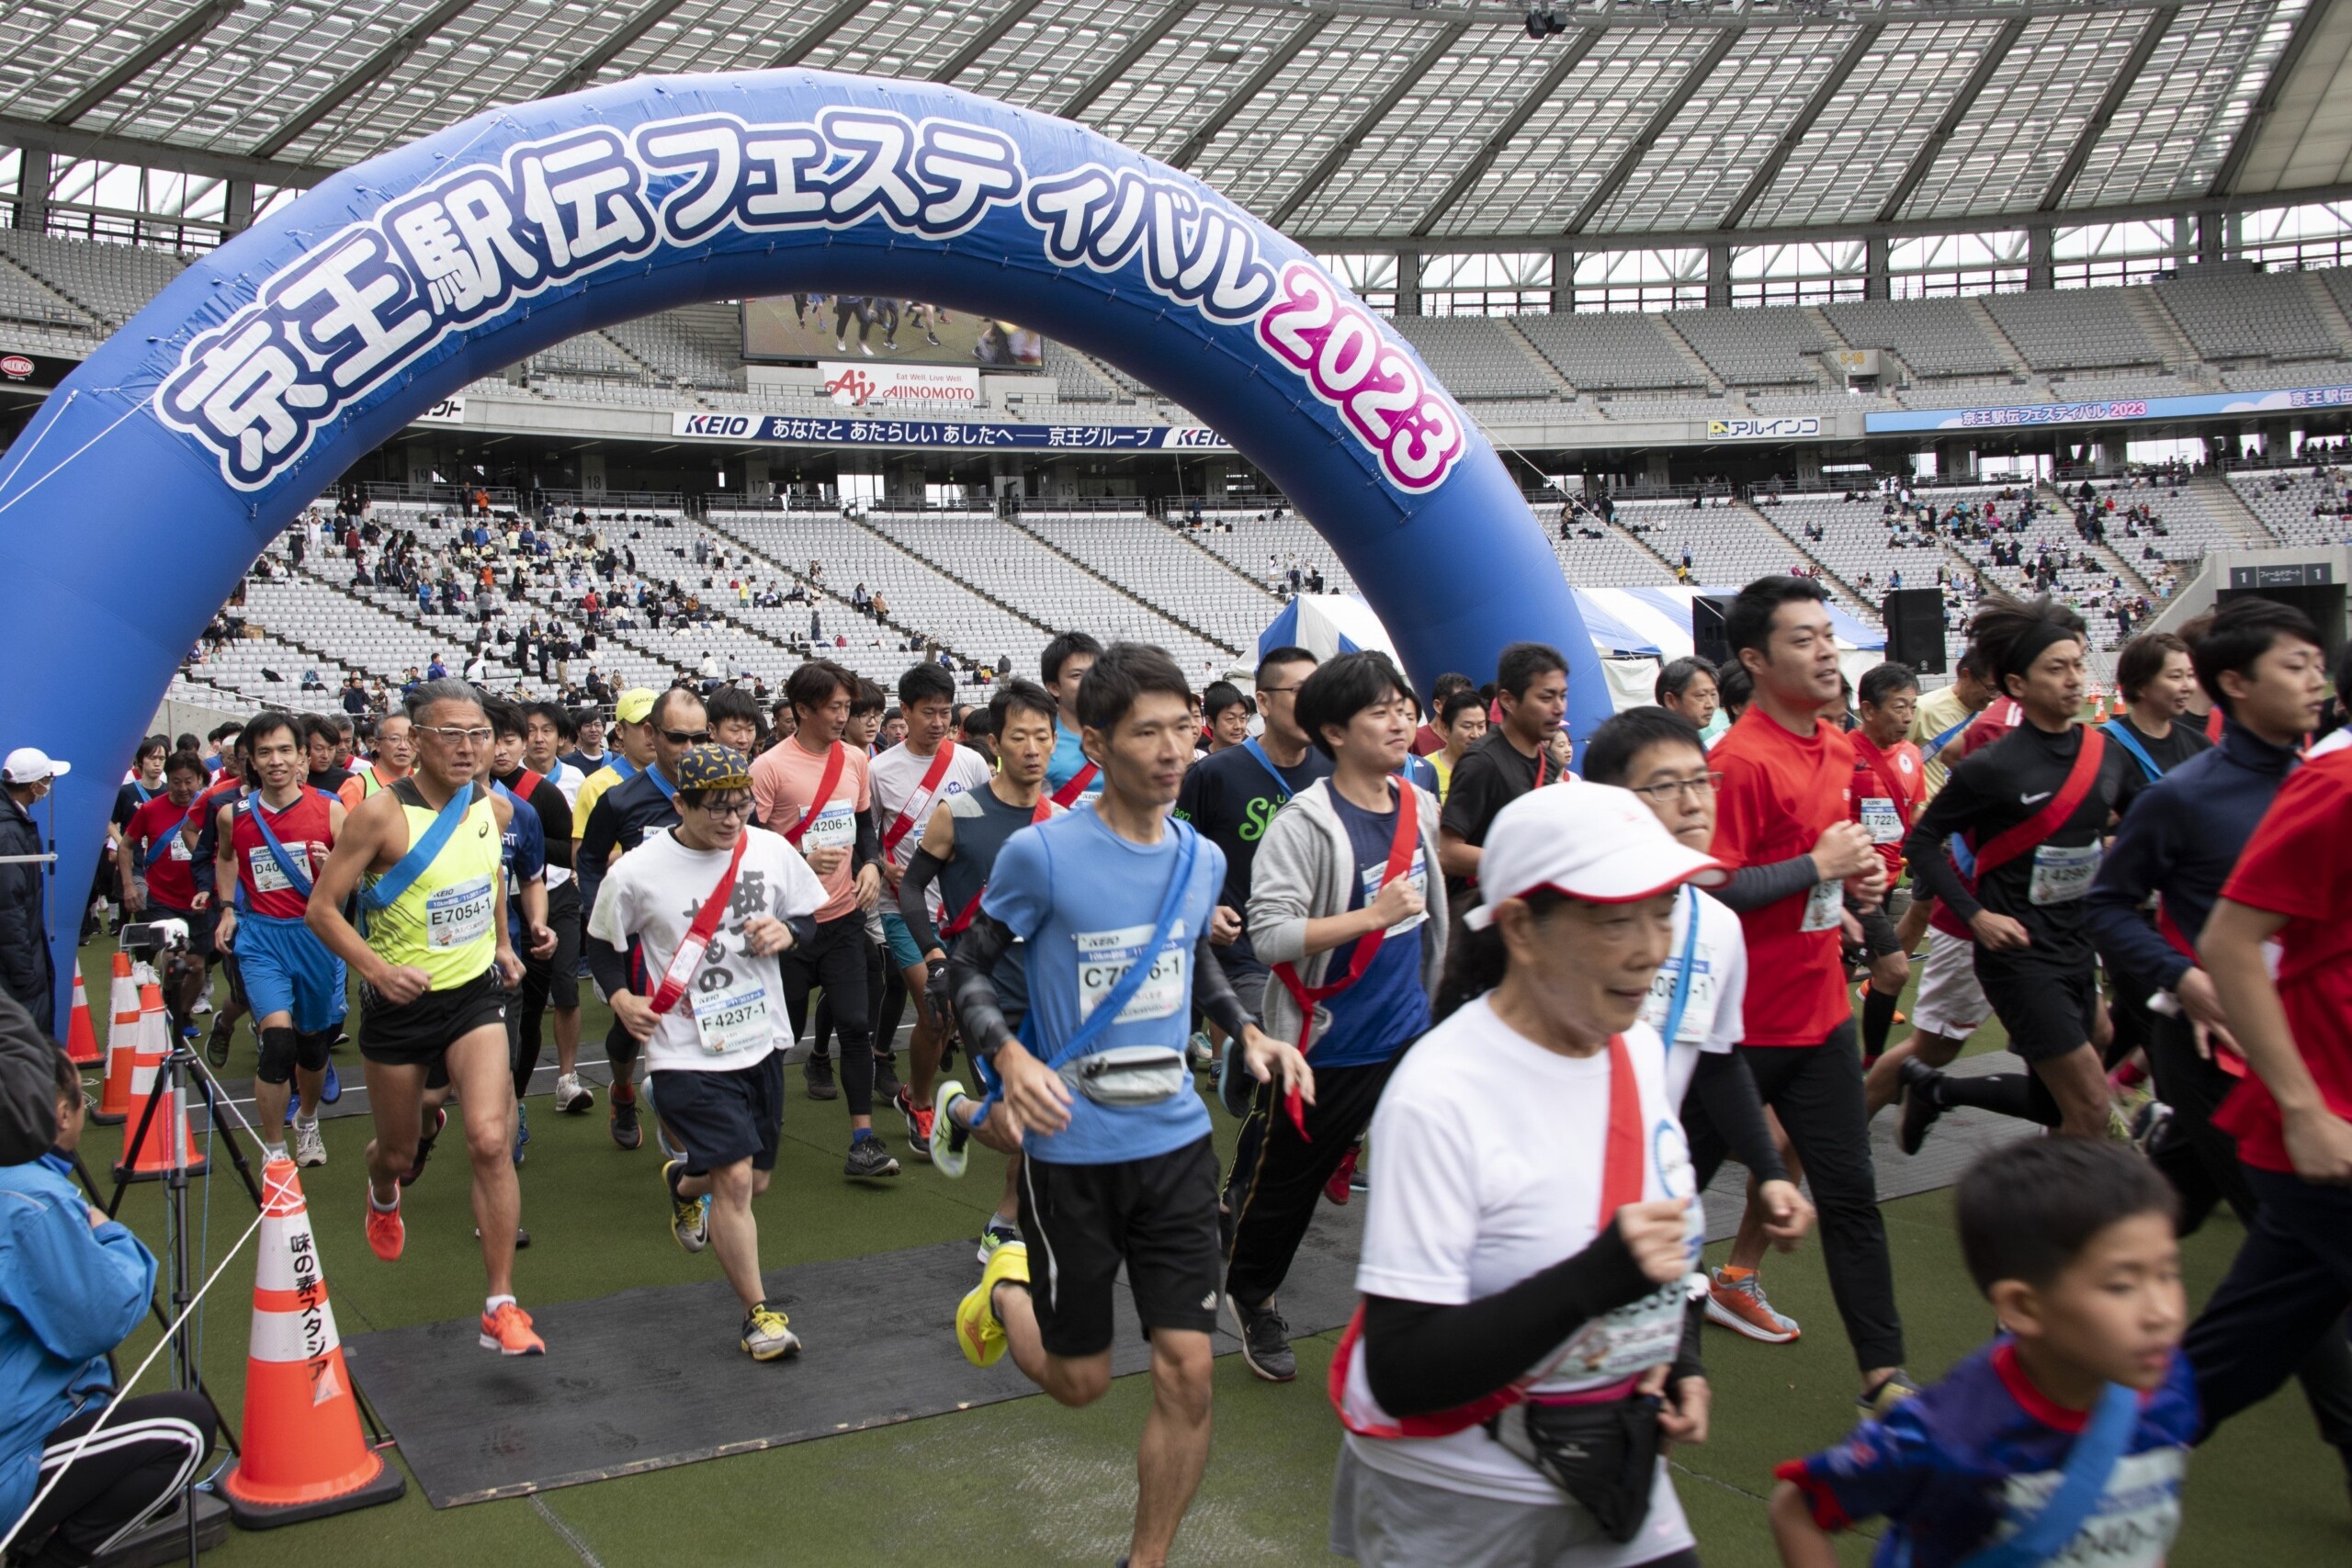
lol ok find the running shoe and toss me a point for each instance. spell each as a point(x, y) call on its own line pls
point(1235, 1090)
point(1922, 1103)
point(1881, 1401)
point(994, 1236)
point(920, 1120)
point(979, 1330)
point(1201, 1051)
point(424, 1147)
point(948, 1153)
point(868, 1157)
point(571, 1096)
point(689, 1217)
point(886, 1086)
point(1341, 1185)
point(522, 1132)
point(767, 1334)
point(1739, 1305)
point(2148, 1127)
point(627, 1134)
point(310, 1149)
point(508, 1332)
point(1265, 1340)
point(817, 1071)
point(216, 1045)
point(203, 1005)
point(386, 1233)
point(334, 1089)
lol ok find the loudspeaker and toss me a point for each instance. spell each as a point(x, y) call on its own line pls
point(1709, 638)
point(1915, 628)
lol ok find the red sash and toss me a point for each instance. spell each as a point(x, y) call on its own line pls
point(527, 786)
point(930, 777)
point(1075, 786)
point(955, 927)
point(817, 803)
point(2229, 1061)
point(2029, 835)
point(1875, 760)
point(688, 958)
point(1400, 859)
point(1621, 1178)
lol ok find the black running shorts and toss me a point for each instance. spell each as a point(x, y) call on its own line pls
point(1157, 1215)
point(2046, 1011)
point(414, 1034)
point(565, 917)
point(720, 1118)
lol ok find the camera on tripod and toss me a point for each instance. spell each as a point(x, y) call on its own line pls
point(154, 937)
point(180, 974)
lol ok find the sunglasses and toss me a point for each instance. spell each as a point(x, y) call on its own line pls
point(685, 736)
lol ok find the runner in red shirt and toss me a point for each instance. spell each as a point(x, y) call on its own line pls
point(153, 846)
point(2292, 1117)
point(1889, 788)
point(1783, 823)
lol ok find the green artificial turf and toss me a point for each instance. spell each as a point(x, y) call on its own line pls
point(1028, 1484)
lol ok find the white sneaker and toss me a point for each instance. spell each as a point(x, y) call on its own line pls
point(571, 1096)
point(203, 1005)
point(310, 1148)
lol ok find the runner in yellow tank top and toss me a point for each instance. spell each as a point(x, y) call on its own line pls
point(434, 970)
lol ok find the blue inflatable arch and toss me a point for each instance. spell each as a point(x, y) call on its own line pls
point(161, 467)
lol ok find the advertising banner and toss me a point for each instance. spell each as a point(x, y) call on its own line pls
point(789, 430)
point(893, 385)
point(2206, 405)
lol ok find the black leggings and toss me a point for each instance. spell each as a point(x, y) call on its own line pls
point(140, 1459)
point(880, 981)
point(837, 960)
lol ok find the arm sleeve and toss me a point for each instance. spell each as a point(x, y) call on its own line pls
point(914, 905)
point(1213, 993)
point(598, 837)
point(1754, 886)
point(2126, 874)
point(1725, 1090)
point(1421, 1357)
point(1931, 868)
point(555, 821)
point(867, 851)
point(971, 971)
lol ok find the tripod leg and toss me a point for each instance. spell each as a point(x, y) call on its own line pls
point(228, 1135)
point(137, 1141)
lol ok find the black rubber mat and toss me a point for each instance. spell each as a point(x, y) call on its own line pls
point(648, 1379)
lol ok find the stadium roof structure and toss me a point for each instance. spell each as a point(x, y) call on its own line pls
point(1358, 124)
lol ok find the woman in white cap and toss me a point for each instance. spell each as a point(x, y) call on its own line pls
point(26, 972)
point(1526, 1350)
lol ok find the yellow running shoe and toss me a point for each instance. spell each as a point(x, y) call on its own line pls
point(767, 1334)
point(978, 1330)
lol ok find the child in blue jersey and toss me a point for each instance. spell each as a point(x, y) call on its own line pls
point(2066, 1439)
point(1114, 902)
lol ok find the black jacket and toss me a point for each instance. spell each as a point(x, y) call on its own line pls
point(26, 972)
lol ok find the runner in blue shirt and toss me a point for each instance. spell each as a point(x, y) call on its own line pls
point(1072, 776)
point(1113, 901)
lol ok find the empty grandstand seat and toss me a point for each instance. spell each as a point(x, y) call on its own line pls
point(1611, 353)
point(1934, 337)
point(2238, 315)
point(2073, 329)
point(1756, 346)
point(1473, 356)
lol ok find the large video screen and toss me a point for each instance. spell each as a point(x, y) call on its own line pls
point(797, 327)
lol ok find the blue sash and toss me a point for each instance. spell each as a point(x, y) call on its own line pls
point(1675, 1009)
point(669, 791)
point(2114, 730)
point(1282, 785)
point(621, 765)
point(1941, 742)
point(158, 848)
point(387, 889)
point(286, 862)
point(2080, 1486)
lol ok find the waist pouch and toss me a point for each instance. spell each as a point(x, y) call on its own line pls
point(1129, 1074)
point(1604, 1456)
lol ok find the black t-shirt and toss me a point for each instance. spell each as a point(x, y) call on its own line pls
point(1490, 775)
point(130, 798)
point(1232, 796)
point(554, 808)
point(331, 781)
point(2009, 783)
point(2185, 741)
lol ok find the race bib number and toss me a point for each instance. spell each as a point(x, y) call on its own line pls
point(1628, 1341)
point(455, 916)
point(1418, 875)
point(1698, 1013)
point(1823, 905)
point(2134, 1524)
point(2062, 876)
point(834, 828)
point(1880, 820)
point(734, 1019)
point(268, 875)
point(1104, 957)
point(176, 849)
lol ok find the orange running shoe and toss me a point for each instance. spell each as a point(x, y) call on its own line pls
point(386, 1233)
point(508, 1332)
point(1738, 1305)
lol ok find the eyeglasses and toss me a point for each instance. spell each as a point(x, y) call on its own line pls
point(451, 734)
point(685, 736)
point(1698, 788)
point(728, 807)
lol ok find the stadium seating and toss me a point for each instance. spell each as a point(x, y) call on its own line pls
point(2075, 329)
point(1161, 564)
point(2241, 315)
point(1758, 347)
point(2286, 502)
point(1262, 547)
point(1611, 353)
point(1934, 337)
point(1474, 357)
point(111, 283)
point(700, 345)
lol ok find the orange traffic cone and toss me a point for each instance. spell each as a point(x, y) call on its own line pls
point(167, 1142)
point(81, 1039)
point(303, 1456)
point(122, 1046)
